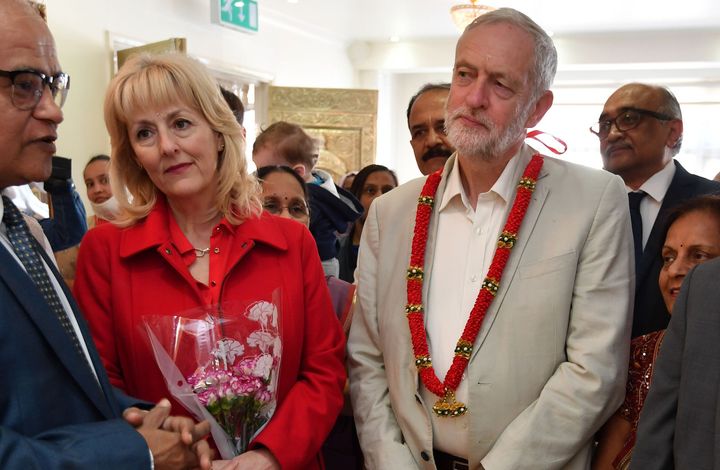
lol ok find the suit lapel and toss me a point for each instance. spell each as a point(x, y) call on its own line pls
point(528, 225)
point(680, 189)
point(31, 300)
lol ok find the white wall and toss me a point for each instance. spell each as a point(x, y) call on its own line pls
point(82, 30)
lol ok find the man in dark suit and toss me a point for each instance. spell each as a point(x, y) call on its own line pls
point(678, 424)
point(57, 408)
point(640, 131)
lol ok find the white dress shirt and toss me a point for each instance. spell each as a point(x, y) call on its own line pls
point(56, 285)
point(465, 245)
point(656, 187)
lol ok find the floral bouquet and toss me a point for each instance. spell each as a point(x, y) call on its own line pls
point(222, 363)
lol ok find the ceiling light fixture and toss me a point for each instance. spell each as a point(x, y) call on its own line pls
point(464, 14)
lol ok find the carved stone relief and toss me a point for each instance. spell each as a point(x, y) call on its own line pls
point(344, 122)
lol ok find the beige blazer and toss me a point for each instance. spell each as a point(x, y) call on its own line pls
point(550, 362)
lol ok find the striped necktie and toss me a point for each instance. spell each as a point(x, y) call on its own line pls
point(24, 245)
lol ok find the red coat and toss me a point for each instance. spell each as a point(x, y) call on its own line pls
point(124, 274)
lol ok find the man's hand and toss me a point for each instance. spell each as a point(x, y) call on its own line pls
point(186, 427)
point(260, 459)
point(175, 442)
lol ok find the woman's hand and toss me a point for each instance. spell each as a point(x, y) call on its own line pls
point(611, 441)
point(260, 459)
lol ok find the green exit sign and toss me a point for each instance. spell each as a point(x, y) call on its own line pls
point(236, 14)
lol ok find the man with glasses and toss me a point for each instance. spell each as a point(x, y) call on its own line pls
point(426, 121)
point(57, 408)
point(640, 131)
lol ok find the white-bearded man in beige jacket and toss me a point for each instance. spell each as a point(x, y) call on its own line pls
point(549, 363)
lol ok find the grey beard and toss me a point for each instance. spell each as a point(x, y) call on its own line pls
point(485, 147)
point(488, 147)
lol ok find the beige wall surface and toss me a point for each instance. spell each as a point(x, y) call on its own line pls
point(84, 30)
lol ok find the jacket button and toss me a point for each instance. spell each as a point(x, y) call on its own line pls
point(213, 283)
point(167, 251)
point(425, 456)
point(216, 250)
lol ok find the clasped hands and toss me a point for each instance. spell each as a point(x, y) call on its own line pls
point(175, 442)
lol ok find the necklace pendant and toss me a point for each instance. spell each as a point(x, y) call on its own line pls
point(447, 406)
point(200, 253)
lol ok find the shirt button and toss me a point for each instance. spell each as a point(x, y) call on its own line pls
point(424, 456)
point(213, 283)
point(473, 278)
point(216, 250)
point(478, 230)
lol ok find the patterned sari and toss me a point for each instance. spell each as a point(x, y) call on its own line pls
point(643, 352)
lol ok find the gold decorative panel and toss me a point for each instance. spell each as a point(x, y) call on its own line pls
point(343, 120)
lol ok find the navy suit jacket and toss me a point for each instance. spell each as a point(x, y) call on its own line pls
point(53, 412)
point(650, 313)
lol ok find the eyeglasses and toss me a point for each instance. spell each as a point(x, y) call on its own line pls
point(628, 119)
point(297, 209)
point(28, 87)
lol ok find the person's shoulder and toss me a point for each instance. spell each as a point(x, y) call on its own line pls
point(103, 235)
point(698, 184)
point(705, 186)
point(709, 270)
point(579, 179)
point(273, 230)
point(554, 164)
point(106, 230)
point(402, 194)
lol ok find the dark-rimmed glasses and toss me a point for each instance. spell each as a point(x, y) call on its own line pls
point(28, 87)
point(628, 119)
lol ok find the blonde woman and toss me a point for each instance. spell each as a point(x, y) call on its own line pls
point(192, 233)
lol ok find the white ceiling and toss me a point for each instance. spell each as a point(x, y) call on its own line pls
point(378, 20)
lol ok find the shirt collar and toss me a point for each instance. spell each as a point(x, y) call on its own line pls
point(657, 185)
point(504, 187)
point(155, 230)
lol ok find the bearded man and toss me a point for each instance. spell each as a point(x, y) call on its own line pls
point(526, 259)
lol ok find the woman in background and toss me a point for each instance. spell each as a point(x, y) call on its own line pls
point(192, 234)
point(285, 194)
point(371, 182)
point(97, 182)
point(693, 237)
point(347, 180)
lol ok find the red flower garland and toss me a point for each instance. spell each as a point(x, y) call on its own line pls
point(447, 406)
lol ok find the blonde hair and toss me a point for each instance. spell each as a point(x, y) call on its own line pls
point(148, 81)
